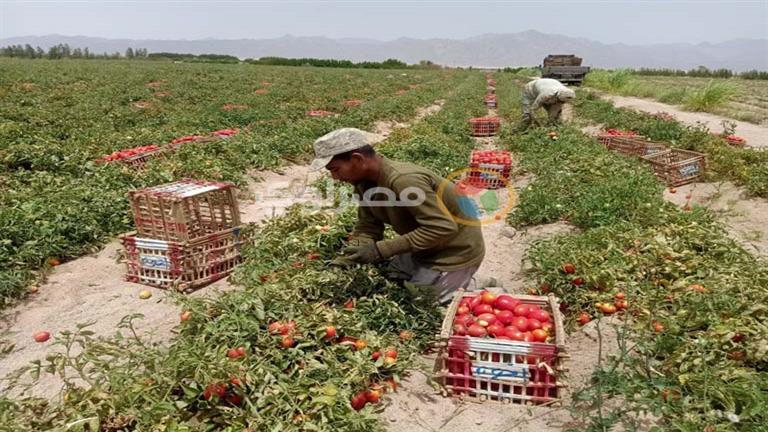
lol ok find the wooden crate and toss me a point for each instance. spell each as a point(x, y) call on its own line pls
point(677, 167)
point(635, 146)
point(502, 370)
point(181, 265)
point(184, 210)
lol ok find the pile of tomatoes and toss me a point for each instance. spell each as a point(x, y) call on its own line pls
point(499, 157)
point(224, 132)
point(126, 153)
point(319, 113)
point(502, 317)
point(185, 139)
point(619, 132)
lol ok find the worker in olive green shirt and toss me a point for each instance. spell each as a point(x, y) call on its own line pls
point(431, 248)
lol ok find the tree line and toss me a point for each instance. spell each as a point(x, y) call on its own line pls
point(61, 51)
point(701, 72)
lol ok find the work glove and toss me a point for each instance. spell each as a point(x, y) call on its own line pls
point(365, 254)
point(343, 260)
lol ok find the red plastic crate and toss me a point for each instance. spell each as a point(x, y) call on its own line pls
point(488, 169)
point(184, 210)
point(181, 265)
point(502, 370)
point(484, 126)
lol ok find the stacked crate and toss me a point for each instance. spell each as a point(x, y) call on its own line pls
point(490, 100)
point(187, 234)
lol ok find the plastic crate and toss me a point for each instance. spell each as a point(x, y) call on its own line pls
point(353, 102)
point(490, 101)
point(484, 126)
point(491, 82)
point(736, 141)
point(488, 175)
point(184, 210)
point(502, 370)
point(635, 146)
point(319, 113)
point(677, 167)
point(181, 265)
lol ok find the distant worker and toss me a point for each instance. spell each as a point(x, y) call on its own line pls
point(546, 93)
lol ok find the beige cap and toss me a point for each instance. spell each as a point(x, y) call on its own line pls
point(338, 142)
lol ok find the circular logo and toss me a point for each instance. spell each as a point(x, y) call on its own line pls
point(484, 196)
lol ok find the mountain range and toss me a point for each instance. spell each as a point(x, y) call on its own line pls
point(526, 48)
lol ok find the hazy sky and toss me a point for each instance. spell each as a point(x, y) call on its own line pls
point(633, 22)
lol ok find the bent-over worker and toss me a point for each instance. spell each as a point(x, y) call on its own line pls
point(546, 93)
point(431, 248)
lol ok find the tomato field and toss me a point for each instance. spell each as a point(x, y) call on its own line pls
point(299, 346)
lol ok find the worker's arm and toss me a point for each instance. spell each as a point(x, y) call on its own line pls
point(435, 226)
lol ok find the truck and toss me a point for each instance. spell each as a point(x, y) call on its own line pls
point(565, 68)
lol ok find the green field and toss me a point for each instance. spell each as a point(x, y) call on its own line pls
point(696, 359)
point(740, 99)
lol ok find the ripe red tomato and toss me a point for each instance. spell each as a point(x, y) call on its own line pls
point(577, 281)
point(533, 324)
point(350, 304)
point(236, 353)
point(287, 342)
point(391, 353)
point(486, 319)
point(330, 332)
point(214, 389)
point(528, 337)
point(522, 310)
point(584, 318)
point(359, 401)
point(482, 309)
point(459, 330)
point(496, 330)
point(548, 327)
point(42, 336)
point(464, 320)
point(520, 323)
point(376, 355)
point(275, 327)
point(513, 333)
point(505, 316)
point(540, 315)
point(539, 335)
point(506, 302)
point(474, 301)
point(569, 268)
point(462, 310)
point(373, 396)
point(476, 331)
point(234, 399)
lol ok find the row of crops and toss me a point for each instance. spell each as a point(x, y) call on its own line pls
point(58, 118)
point(694, 339)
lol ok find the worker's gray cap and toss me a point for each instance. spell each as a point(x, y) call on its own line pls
point(338, 142)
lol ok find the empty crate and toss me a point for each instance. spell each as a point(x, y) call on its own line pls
point(677, 167)
point(184, 210)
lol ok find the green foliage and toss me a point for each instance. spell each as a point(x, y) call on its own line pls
point(712, 95)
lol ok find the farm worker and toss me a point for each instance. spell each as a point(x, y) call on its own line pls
point(431, 248)
point(546, 93)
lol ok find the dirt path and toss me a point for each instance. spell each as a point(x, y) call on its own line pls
point(92, 289)
point(756, 136)
point(419, 407)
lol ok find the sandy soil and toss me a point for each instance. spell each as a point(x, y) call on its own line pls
point(92, 289)
point(384, 128)
point(756, 136)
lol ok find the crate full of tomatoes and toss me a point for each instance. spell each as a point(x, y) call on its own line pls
point(605, 137)
point(134, 157)
point(490, 100)
point(489, 169)
point(484, 126)
point(503, 347)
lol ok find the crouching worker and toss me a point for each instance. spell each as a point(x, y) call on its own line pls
point(545, 93)
point(431, 248)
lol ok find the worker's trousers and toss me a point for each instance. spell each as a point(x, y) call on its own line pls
point(443, 283)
